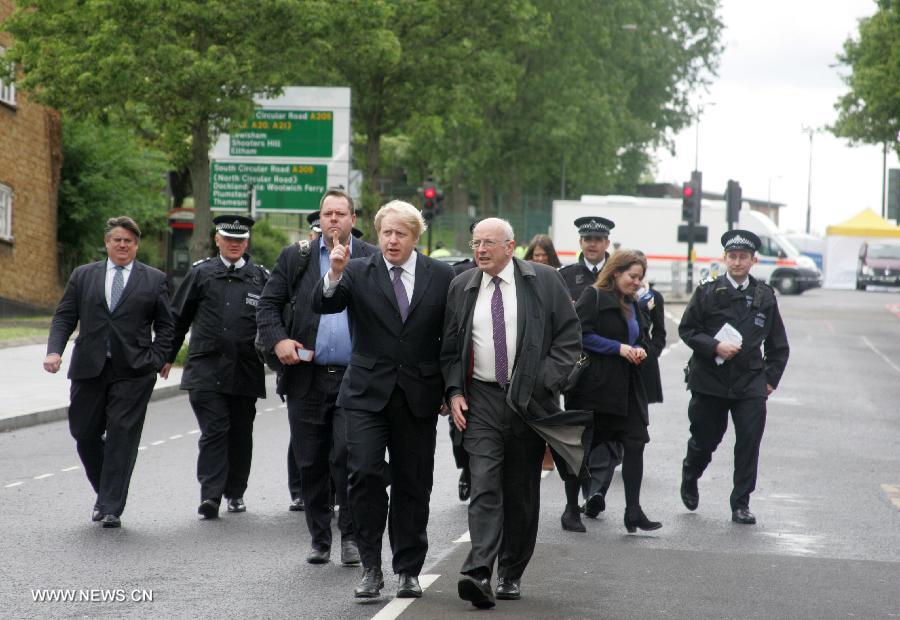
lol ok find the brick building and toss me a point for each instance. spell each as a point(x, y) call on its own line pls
point(30, 161)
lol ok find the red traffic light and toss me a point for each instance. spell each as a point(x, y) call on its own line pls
point(430, 193)
point(687, 191)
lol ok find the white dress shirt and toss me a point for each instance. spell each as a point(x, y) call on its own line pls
point(110, 274)
point(483, 324)
point(734, 282)
point(408, 277)
point(237, 264)
point(591, 266)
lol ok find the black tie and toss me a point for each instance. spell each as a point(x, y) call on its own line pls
point(594, 272)
point(231, 268)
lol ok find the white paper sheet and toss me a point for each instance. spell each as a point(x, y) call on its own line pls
point(730, 335)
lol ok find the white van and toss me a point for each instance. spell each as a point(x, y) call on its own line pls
point(651, 225)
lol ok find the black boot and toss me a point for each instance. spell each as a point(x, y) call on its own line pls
point(571, 519)
point(636, 519)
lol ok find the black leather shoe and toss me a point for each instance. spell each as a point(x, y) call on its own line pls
point(636, 519)
point(208, 509)
point(349, 553)
point(571, 520)
point(318, 556)
point(96, 515)
point(690, 494)
point(236, 504)
point(465, 485)
point(509, 589)
point(297, 505)
point(409, 587)
point(370, 585)
point(594, 505)
point(111, 521)
point(476, 591)
point(743, 516)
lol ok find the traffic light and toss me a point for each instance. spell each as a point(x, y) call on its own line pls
point(432, 199)
point(690, 198)
point(733, 195)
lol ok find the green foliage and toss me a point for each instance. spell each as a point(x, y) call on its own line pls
point(106, 172)
point(266, 243)
point(179, 71)
point(870, 112)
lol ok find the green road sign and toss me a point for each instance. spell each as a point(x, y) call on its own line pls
point(279, 187)
point(284, 133)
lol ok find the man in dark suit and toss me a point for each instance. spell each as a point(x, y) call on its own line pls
point(217, 302)
point(318, 422)
point(118, 305)
point(392, 390)
point(511, 339)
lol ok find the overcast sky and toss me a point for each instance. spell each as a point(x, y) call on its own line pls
point(777, 75)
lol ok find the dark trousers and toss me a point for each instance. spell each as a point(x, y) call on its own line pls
point(602, 461)
point(226, 442)
point(294, 484)
point(709, 421)
point(410, 442)
point(115, 406)
point(319, 440)
point(505, 458)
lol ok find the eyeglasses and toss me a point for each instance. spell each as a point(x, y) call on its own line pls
point(487, 244)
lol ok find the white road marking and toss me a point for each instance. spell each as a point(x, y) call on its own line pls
point(282, 406)
point(784, 400)
point(176, 436)
point(464, 538)
point(13, 484)
point(42, 476)
point(72, 468)
point(141, 448)
point(156, 443)
point(270, 409)
point(194, 432)
point(397, 606)
point(672, 317)
point(881, 355)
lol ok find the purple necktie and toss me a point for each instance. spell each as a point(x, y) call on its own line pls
point(501, 364)
point(400, 292)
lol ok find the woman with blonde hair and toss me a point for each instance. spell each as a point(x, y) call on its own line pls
point(613, 335)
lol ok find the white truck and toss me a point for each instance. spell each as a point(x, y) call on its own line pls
point(651, 225)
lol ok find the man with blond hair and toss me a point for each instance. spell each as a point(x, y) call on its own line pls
point(392, 390)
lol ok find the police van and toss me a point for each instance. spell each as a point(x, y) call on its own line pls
point(651, 225)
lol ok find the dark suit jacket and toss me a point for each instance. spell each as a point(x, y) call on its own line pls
point(386, 351)
point(144, 306)
point(547, 346)
point(305, 328)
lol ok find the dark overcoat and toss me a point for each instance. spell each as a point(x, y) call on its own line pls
point(653, 307)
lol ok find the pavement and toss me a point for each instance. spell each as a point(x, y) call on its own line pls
point(32, 396)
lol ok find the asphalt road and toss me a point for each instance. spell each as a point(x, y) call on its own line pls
point(828, 502)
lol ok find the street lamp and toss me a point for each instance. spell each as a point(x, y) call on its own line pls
point(810, 131)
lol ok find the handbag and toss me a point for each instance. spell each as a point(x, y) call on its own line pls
point(267, 354)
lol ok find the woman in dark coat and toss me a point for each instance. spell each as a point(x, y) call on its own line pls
point(652, 305)
point(613, 334)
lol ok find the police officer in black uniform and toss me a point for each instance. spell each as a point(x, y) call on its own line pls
point(731, 373)
point(603, 459)
point(217, 300)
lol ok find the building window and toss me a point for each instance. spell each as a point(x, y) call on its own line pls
point(6, 196)
point(7, 88)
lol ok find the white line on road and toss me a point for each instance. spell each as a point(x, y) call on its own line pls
point(156, 443)
point(141, 448)
point(881, 355)
point(397, 606)
point(270, 409)
point(176, 436)
point(193, 432)
point(13, 484)
point(464, 538)
point(42, 476)
point(784, 400)
point(670, 347)
point(672, 317)
point(72, 468)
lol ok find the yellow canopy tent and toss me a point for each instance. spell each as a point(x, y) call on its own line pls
point(842, 243)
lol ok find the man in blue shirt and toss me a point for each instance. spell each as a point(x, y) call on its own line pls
point(315, 355)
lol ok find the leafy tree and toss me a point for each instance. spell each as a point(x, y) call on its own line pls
point(106, 172)
point(266, 243)
point(870, 112)
point(181, 70)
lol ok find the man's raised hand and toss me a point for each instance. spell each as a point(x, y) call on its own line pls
point(339, 257)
